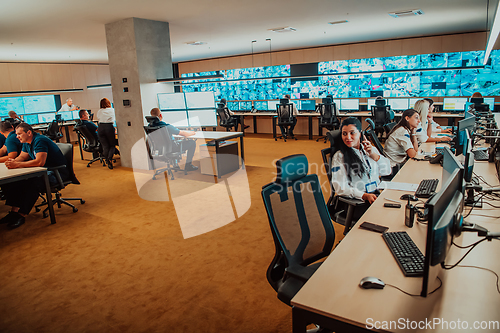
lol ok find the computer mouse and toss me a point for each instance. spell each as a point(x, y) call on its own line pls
point(409, 196)
point(370, 282)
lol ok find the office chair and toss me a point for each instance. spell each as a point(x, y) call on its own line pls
point(285, 120)
point(380, 116)
point(90, 144)
point(67, 150)
point(161, 148)
point(300, 224)
point(327, 119)
point(370, 135)
point(388, 127)
point(52, 131)
point(225, 119)
point(340, 208)
point(13, 122)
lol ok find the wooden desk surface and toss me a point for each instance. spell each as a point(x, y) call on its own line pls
point(215, 135)
point(10, 173)
point(467, 294)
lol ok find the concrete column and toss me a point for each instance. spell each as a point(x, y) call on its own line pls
point(138, 51)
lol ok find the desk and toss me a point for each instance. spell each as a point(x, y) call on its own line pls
point(218, 137)
point(13, 175)
point(332, 297)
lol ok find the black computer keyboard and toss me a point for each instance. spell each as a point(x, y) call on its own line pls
point(481, 155)
point(426, 188)
point(406, 253)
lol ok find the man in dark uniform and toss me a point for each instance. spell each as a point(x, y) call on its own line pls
point(184, 145)
point(12, 146)
point(84, 117)
point(37, 151)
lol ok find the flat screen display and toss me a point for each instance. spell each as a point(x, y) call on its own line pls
point(399, 104)
point(272, 105)
point(371, 102)
point(233, 106)
point(200, 100)
point(451, 104)
point(412, 102)
point(31, 119)
point(174, 101)
point(66, 115)
point(37, 104)
point(307, 105)
point(76, 114)
point(46, 117)
point(202, 118)
point(11, 104)
point(260, 106)
point(176, 118)
point(349, 104)
point(245, 106)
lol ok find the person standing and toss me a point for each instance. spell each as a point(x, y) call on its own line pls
point(106, 130)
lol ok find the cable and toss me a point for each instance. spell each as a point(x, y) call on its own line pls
point(415, 295)
point(472, 246)
point(486, 269)
point(476, 201)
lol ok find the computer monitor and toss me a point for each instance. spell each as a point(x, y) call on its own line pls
point(76, 114)
point(443, 209)
point(337, 102)
point(200, 100)
point(31, 119)
point(468, 115)
point(233, 106)
point(202, 118)
point(454, 104)
point(245, 106)
point(271, 105)
point(371, 102)
point(46, 117)
point(469, 158)
point(399, 104)
point(307, 105)
point(173, 101)
point(349, 105)
point(66, 115)
point(464, 124)
point(450, 165)
point(260, 106)
point(412, 102)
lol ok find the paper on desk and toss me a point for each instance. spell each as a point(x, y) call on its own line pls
point(397, 186)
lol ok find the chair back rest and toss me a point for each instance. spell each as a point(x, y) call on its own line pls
point(380, 115)
point(53, 128)
point(91, 142)
point(328, 113)
point(297, 213)
point(159, 141)
point(388, 127)
point(67, 151)
point(224, 116)
point(285, 111)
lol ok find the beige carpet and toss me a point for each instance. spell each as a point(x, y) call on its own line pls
point(121, 264)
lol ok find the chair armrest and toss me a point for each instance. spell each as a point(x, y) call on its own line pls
point(57, 174)
point(299, 272)
point(351, 201)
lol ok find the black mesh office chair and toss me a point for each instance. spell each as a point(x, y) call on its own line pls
point(388, 127)
point(13, 122)
point(341, 208)
point(90, 144)
point(300, 224)
point(328, 117)
point(162, 149)
point(285, 120)
point(380, 116)
point(225, 119)
point(52, 131)
point(67, 150)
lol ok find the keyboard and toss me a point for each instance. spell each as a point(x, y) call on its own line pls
point(426, 188)
point(406, 253)
point(481, 155)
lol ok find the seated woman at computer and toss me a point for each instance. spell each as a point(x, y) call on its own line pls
point(424, 129)
point(402, 140)
point(234, 117)
point(436, 128)
point(288, 130)
point(357, 165)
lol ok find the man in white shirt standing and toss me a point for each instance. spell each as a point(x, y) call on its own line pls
point(68, 106)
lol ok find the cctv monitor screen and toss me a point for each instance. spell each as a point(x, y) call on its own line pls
point(46, 117)
point(260, 106)
point(42, 103)
point(66, 115)
point(307, 105)
point(398, 104)
point(202, 118)
point(245, 106)
point(412, 102)
point(175, 101)
point(233, 106)
point(31, 119)
point(11, 104)
point(349, 104)
point(371, 102)
point(337, 102)
point(271, 105)
point(200, 100)
point(454, 104)
point(176, 118)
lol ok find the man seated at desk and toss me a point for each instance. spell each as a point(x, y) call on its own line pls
point(184, 145)
point(37, 151)
point(289, 129)
point(85, 118)
point(235, 118)
point(68, 106)
point(12, 146)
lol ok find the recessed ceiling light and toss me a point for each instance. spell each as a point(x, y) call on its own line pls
point(338, 22)
point(196, 43)
point(404, 13)
point(284, 29)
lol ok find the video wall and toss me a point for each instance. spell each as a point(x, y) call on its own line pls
point(442, 74)
point(34, 109)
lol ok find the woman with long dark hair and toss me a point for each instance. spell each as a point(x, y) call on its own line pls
point(106, 130)
point(357, 165)
point(402, 140)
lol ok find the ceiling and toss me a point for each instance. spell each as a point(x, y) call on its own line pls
point(73, 31)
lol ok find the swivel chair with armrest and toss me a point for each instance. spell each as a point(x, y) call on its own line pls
point(300, 225)
point(380, 116)
point(90, 144)
point(341, 208)
point(328, 118)
point(67, 150)
point(225, 119)
point(286, 119)
point(52, 131)
point(372, 137)
point(161, 148)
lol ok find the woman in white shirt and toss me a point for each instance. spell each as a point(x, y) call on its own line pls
point(425, 128)
point(402, 140)
point(357, 165)
point(106, 130)
point(435, 126)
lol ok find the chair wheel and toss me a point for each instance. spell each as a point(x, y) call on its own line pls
point(275, 139)
point(37, 209)
point(82, 201)
point(45, 214)
point(88, 166)
point(75, 210)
